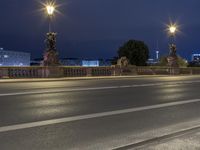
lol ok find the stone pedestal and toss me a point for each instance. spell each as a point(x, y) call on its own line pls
point(51, 58)
point(172, 61)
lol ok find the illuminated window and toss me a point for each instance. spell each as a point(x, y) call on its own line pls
point(5, 56)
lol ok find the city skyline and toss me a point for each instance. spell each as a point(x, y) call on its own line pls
point(94, 29)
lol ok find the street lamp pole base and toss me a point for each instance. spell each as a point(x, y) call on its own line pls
point(173, 61)
point(51, 58)
point(173, 65)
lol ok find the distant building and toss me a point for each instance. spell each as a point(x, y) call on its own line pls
point(85, 62)
point(14, 58)
point(152, 61)
point(90, 63)
point(195, 61)
point(105, 62)
point(196, 57)
point(78, 62)
point(71, 61)
point(36, 62)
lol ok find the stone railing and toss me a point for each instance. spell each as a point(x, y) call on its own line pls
point(167, 71)
point(87, 71)
point(153, 70)
point(21, 72)
point(48, 72)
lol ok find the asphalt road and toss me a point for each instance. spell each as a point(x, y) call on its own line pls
point(95, 114)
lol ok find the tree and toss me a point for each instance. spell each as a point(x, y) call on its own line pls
point(136, 51)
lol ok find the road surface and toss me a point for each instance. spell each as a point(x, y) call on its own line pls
point(97, 114)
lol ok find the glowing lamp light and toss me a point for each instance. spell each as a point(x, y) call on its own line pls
point(172, 29)
point(50, 9)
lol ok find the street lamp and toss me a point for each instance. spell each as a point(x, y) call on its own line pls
point(173, 29)
point(172, 58)
point(51, 54)
point(172, 45)
point(50, 8)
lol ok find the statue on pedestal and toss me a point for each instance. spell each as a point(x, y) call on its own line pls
point(51, 54)
point(172, 58)
point(123, 62)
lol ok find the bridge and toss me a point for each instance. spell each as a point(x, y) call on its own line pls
point(108, 113)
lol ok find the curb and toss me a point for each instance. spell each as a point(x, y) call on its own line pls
point(160, 139)
point(76, 78)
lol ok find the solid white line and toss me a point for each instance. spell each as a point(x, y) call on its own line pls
point(97, 88)
point(91, 116)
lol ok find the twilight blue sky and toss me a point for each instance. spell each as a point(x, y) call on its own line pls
point(97, 28)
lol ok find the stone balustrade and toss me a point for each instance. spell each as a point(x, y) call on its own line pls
point(168, 71)
point(48, 72)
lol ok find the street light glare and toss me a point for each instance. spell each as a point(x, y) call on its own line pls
point(172, 29)
point(50, 9)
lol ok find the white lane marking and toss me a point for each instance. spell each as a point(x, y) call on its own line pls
point(97, 88)
point(91, 116)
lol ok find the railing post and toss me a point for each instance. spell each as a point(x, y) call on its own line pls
point(113, 71)
point(89, 72)
point(4, 73)
point(191, 71)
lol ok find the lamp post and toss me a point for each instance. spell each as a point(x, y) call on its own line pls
point(172, 44)
point(51, 54)
point(172, 58)
point(50, 11)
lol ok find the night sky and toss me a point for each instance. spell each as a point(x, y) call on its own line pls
point(97, 28)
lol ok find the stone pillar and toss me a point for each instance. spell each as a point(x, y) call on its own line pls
point(4, 73)
point(89, 72)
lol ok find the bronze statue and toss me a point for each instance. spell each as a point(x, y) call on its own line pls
point(172, 58)
point(51, 54)
point(51, 41)
point(172, 48)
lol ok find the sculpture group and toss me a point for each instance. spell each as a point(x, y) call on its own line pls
point(51, 57)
